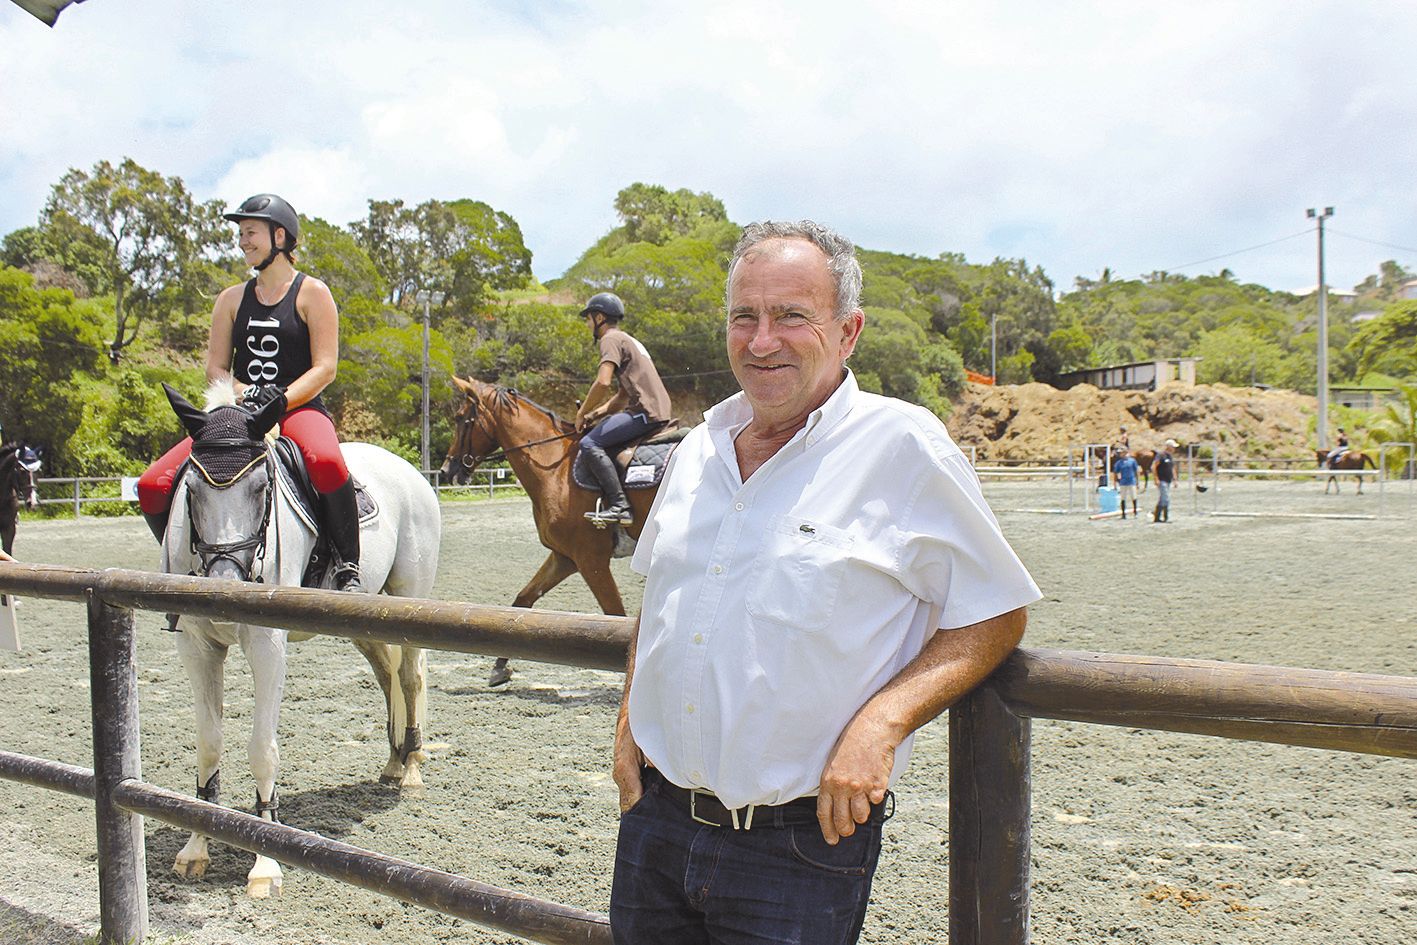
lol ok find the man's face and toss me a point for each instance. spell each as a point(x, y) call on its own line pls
point(785, 343)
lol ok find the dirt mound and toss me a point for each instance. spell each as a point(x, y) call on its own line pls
point(1035, 422)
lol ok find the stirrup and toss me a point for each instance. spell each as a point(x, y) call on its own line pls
point(346, 577)
point(602, 518)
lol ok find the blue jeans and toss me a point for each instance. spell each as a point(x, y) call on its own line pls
point(679, 882)
point(1163, 494)
point(616, 429)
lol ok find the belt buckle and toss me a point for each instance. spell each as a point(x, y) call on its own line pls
point(693, 813)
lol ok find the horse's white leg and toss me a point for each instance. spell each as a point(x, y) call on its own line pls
point(204, 660)
point(383, 659)
point(265, 651)
point(413, 686)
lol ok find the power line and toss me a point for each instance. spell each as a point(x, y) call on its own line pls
point(1247, 249)
point(1364, 239)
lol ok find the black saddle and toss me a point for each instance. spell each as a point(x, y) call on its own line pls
point(290, 466)
point(640, 462)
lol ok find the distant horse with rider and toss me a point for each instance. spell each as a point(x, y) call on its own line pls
point(1347, 461)
point(18, 464)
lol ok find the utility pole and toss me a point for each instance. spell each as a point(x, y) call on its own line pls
point(1320, 217)
point(426, 298)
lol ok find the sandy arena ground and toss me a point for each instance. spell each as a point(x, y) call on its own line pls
point(1139, 837)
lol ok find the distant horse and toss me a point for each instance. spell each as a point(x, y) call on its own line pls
point(1349, 461)
point(541, 448)
point(1144, 460)
point(18, 464)
point(234, 516)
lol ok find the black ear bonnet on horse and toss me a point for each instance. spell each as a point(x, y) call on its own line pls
point(224, 448)
point(227, 441)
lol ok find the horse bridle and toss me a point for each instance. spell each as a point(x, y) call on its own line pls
point(210, 552)
point(470, 461)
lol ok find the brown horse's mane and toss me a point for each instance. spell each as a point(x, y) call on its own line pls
point(508, 398)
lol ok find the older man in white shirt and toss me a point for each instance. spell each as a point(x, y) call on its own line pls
point(824, 577)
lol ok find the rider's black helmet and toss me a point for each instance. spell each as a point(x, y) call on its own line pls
point(607, 304)
point(277, 212)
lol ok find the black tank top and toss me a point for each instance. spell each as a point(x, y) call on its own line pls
point(271, 343)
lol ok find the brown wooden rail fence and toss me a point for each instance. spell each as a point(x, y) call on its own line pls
point(989, 740)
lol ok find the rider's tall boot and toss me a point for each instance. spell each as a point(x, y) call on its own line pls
point(341, 519)
point(158, 522)
point(617, 509)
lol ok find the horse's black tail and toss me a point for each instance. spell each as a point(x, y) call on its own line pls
point(1368, 462)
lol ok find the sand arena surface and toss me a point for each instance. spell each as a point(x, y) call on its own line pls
point(1139, 837)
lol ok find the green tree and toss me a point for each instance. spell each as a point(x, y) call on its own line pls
point(332, 255)
point(651, 213)
point(1234, 355)
point(158, 243)
point(1388, 343)
point(463, 250)
point(1397, 423)
point(48, 338)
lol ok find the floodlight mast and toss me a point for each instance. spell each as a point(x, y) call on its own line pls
point(1322, 431)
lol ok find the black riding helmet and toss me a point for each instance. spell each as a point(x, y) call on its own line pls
point(277, 212)
point(607, 304)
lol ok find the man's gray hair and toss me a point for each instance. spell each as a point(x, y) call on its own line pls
point(840, 253)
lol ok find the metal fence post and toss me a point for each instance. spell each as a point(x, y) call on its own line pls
point(113, 688)
point(77, 496)
point(990, 794)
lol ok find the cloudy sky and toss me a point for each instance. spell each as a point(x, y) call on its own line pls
point(1078, 135)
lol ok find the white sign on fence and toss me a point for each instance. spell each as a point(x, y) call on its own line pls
point(128, 489)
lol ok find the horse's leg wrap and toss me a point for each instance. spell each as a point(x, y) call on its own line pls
point(412, 742)
point(211, 791)
point(268, 807)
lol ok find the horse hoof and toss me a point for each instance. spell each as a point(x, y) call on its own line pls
point(501, 675)
point(190, 869)
point(265, 887)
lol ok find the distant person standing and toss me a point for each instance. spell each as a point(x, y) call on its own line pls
point(1125, 471)
point(1165, 468)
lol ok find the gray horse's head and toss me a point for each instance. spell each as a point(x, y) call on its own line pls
point(229, 485)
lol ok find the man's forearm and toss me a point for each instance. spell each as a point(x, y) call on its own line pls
point(951, 664)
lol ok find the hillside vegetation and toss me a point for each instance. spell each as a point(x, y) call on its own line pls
point(109, 294)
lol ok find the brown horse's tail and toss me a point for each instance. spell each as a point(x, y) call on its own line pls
point(1368, 462)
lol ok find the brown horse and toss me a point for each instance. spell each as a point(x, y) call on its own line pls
point(541, 449)
point(1144, 460)
point(1350, 461)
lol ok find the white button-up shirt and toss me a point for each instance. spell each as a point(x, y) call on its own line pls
point(775, 608)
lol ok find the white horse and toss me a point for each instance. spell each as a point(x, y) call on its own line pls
point(233, 517)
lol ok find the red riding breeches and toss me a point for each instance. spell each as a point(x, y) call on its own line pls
point(311, 430)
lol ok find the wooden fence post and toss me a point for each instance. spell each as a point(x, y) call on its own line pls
point(989, 822)
point(113, 688)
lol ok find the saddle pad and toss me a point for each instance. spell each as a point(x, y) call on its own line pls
point(644, 471)
point(295, 483)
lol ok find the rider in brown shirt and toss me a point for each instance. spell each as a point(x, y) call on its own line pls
point(611, 417)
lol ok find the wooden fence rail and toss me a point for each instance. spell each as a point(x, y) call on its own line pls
point(989, 738)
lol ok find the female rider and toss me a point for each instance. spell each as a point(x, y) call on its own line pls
point(276, 337)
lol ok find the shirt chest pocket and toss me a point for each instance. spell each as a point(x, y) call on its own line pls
point(799, 572)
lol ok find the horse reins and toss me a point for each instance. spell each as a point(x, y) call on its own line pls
point(470, 462)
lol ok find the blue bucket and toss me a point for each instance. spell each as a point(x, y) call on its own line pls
point(1107, 499)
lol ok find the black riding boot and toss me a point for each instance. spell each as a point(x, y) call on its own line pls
point(341, 521)
point(158, 523)
point(617, 508)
